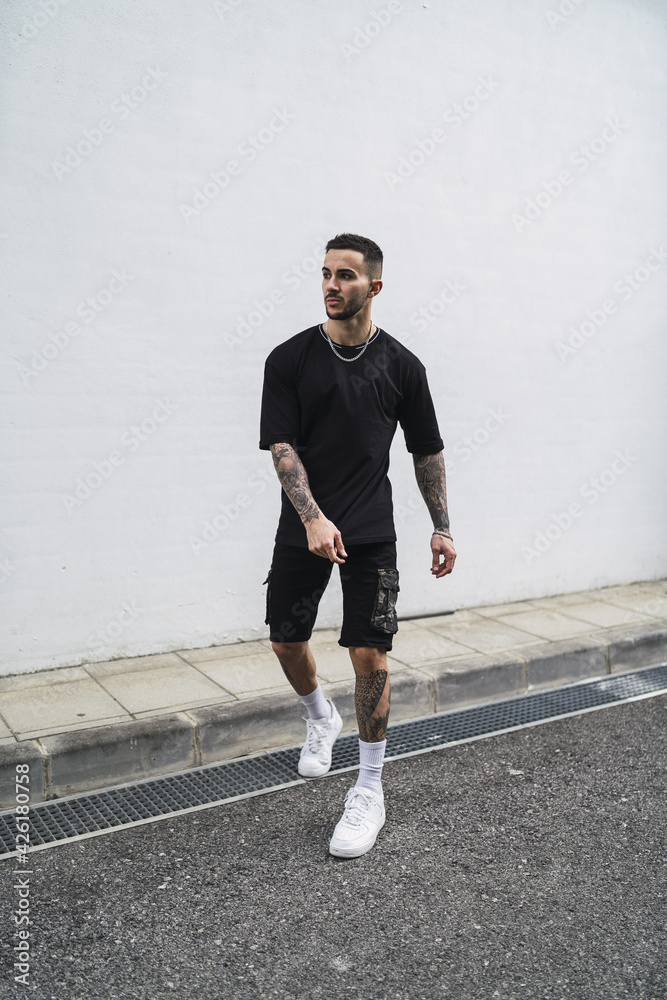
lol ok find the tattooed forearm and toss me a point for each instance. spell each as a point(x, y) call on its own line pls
point(371, 698)
point(294, 480)
point(430, 473)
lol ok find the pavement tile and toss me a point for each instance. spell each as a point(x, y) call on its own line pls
point(604, 615)
point(174, 683)
point(485, 635)
point(6, 740)
point(251, 673)
point(231, 651)
point(495, 610)
point(644, 603)
point(135, 664)
point(42, 678)
point(154, 713)
point(547, 624)
point(454, 618)
point(5, 731)
point(423, 646)
point(284, 689)
point(74, 727)
point(37, 709)
point(334, 663)
point(557, 601)
point(651, 588)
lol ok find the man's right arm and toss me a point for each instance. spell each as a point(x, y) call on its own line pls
point(324, 538)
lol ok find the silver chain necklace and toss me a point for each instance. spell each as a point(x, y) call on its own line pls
point(341, 356)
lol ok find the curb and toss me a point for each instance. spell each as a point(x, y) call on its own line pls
point(89, 759)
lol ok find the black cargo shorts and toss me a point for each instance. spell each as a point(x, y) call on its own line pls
point(369, 581)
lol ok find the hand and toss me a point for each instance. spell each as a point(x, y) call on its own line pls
point(324, 539)
point(441, 546)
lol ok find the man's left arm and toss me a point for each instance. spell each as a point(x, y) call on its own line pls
point(431, 479)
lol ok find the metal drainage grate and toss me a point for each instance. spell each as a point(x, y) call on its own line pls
point(89, 814)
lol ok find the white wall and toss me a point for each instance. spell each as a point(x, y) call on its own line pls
point(77, 379)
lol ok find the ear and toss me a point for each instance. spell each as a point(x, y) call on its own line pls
point(375, 288)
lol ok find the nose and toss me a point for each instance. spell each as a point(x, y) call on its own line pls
point(331, 285)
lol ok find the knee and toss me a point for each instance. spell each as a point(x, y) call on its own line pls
point(366, 659)
point(288, 650)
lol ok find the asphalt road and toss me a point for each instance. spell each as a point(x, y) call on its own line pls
point(525, 865)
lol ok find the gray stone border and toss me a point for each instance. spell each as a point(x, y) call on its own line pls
point(88, 759)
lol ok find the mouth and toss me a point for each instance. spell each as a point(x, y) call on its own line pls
point(332, 301)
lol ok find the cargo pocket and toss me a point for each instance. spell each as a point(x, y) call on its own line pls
point(267, 620)
point(384, 611)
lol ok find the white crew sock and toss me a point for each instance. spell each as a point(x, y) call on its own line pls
point(316, 704)
point(371, 760)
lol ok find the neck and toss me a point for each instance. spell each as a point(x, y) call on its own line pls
point(351, 332)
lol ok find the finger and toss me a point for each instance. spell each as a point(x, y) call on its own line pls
point(332, 554)
point(447, 566)
point(338, 542)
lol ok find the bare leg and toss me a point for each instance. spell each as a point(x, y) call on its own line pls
point(298, 665)
point(372, 691)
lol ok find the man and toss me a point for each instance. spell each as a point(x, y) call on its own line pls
point(332, 398)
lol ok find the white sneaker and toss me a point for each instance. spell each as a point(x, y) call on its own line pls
point(321, 734)
point(360, 824)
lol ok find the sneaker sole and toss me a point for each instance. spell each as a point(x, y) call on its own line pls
point(351, 852)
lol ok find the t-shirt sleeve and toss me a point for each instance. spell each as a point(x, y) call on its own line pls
point(280, 415)
point(416, 415)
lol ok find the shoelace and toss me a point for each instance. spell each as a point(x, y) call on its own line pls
point(315, 735)
point(355, 811)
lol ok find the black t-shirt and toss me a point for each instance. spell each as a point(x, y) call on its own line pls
point(341, 416)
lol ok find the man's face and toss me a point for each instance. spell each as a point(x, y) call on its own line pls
point(345, 283)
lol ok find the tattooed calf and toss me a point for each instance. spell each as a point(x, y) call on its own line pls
point(371, 699)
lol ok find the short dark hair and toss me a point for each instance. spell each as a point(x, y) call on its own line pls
point(371, 252)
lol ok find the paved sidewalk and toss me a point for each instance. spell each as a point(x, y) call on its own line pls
point(102, 724)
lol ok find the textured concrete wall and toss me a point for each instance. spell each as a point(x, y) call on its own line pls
point(170, 173)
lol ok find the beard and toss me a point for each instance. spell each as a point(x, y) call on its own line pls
point(353, 306)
